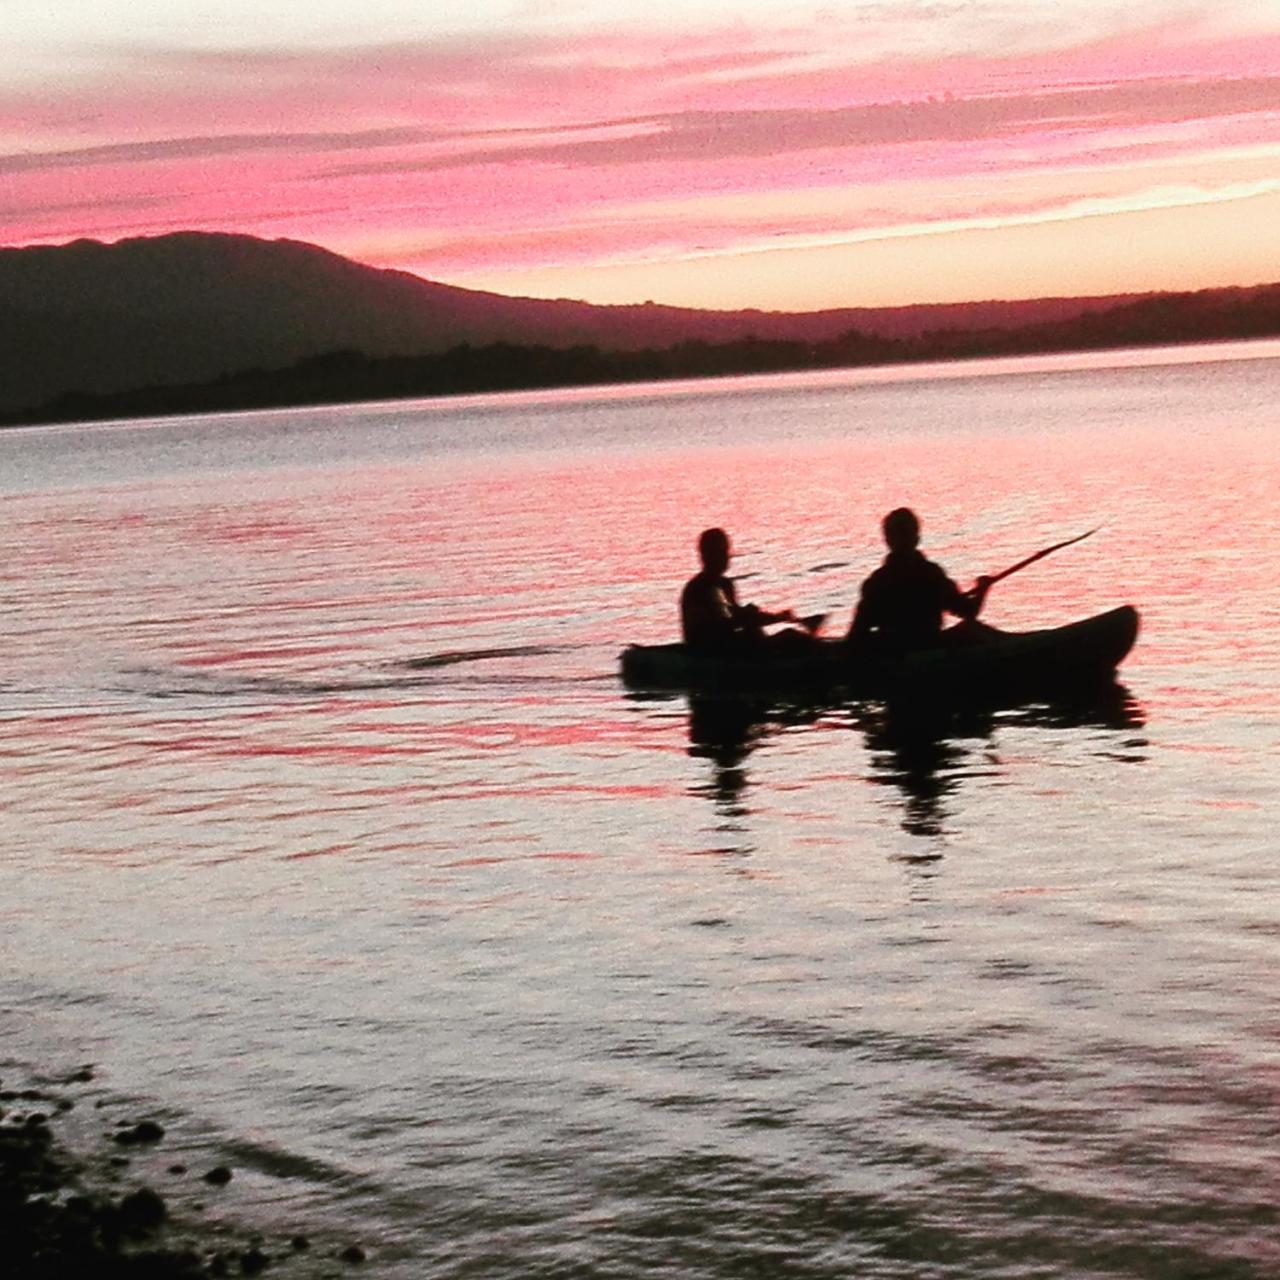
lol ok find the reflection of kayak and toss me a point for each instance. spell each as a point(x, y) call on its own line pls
point(973, 660)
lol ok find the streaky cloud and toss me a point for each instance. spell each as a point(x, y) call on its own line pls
point(708, 135)
point(209, 145)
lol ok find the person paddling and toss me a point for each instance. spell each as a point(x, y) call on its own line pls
point(711, 619)
point(901, 604)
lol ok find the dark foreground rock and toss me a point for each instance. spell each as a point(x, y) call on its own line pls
point(57, 1222)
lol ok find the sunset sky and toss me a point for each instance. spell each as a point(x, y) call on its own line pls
point(706, 153)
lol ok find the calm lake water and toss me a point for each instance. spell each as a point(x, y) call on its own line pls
point(331, 836)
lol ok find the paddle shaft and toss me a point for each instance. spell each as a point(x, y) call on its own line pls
point(1039, 555)
point(813, 622)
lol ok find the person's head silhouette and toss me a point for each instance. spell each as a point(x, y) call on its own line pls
point(713, 548)
point(901, 529)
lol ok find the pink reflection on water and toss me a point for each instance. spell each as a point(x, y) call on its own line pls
point(490, 860)
point(284, 654)
point(533, 563)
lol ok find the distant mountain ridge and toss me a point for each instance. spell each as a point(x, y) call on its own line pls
point(194, 306)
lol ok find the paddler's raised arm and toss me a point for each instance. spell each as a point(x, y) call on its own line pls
point(751, 615)
point(968, 604)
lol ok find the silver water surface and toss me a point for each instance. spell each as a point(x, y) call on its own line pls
point(331, 836)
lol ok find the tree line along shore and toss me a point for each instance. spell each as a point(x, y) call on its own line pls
point(351, 376)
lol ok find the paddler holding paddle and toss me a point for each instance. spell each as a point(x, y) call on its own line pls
point(713, 622)
point(901, 604)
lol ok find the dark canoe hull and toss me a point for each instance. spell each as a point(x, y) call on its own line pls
point(986, 663)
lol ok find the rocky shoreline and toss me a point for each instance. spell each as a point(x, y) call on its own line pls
point(86, 1214)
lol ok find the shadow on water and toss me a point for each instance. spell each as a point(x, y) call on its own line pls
point(725, 732)
point(927, 751)
point(457, 657)
point(922, 752)
point(481, 668)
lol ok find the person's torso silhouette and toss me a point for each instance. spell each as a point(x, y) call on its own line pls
point(708, 605)
point(901, 604)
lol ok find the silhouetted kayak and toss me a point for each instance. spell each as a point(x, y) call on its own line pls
point(972, 661)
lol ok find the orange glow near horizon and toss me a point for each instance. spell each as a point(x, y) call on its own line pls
point(868, 157)
point(1183, 247)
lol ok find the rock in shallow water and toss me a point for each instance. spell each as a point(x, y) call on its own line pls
point(143, 1131)
point(252, 1261)
point(142, 1210)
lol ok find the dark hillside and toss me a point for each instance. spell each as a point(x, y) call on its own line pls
point(194, 306)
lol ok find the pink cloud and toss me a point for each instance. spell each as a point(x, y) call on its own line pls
point(517, 80)
point(526, 150)
point(707, 137)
